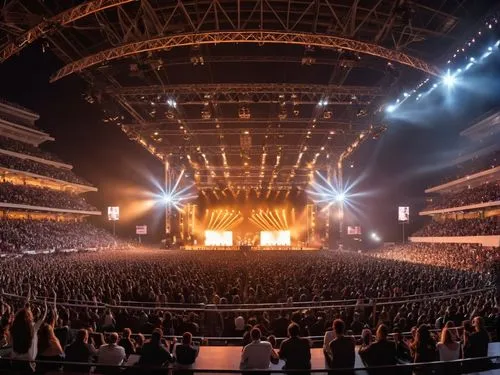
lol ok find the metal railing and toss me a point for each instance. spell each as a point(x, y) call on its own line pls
point(241, 308)
point(11, 366)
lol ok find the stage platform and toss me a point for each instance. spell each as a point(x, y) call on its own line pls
point(228, 358)
point(248, 248)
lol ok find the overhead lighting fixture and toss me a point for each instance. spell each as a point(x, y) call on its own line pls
point(449, 80)
point(390, 108)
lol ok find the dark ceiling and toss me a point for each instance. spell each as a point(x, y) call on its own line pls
point(241, 93)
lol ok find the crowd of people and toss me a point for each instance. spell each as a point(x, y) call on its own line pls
point(464, 227)
point(450, 344)
point(45, 197)
point(489, 192)
point(117, 277)
point(157, 281)
point(17, 235)
point(461, 256)
point(474, 165)
point(31, 166)
point(26, 148)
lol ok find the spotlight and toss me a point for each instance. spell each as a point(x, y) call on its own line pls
point(449, 80)
point(390, 108)
point(375, 237)
point(167, 199)
point(340, 197)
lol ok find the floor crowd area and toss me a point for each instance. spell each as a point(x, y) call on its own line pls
point(145, 294)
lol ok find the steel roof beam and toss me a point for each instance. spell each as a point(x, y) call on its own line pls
point(347, 63)
point(244, 88)
point(245, 124)
point(61, 19)
point(255, 148)
point(254, 37)
point(260, 131)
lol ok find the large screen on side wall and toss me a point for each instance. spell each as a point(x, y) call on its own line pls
point(275, 238)
point(218, 238)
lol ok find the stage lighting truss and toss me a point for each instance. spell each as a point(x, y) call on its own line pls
point(144, 31)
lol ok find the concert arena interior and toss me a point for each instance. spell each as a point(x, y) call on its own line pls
point(329, 195)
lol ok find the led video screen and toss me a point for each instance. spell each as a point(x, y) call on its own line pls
point(275, 238)
point(218, 238)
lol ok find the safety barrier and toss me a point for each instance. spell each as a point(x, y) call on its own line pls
point(476, 365)
point(303, 304)
point(222, 308)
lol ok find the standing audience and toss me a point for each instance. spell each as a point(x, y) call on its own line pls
point(295, 350)
point(342, 354)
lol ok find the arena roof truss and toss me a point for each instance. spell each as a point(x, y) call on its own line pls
point(249, 92)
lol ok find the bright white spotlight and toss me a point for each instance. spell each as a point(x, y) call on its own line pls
point(375, 237)
point(390, 108)
point(340, 197)
point(449, 80)
point(175, 196)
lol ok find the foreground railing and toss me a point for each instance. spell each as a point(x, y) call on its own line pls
point(462, 366)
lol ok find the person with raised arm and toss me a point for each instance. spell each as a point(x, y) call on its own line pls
point(24, 335)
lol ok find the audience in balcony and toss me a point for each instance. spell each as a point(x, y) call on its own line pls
point(42, 169)
point(488, 192)
point(38, 196)
point(475, 165)
point(26, 149)
point(17, 235)
point(464, 227)
point(459, 256)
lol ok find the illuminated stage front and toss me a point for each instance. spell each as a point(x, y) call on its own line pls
point(253, 227)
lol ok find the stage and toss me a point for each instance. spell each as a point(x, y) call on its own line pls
point(246, 248)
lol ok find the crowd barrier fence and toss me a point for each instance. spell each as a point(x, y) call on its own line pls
point(300, 304)
point(8, 366)
point(222, 308)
